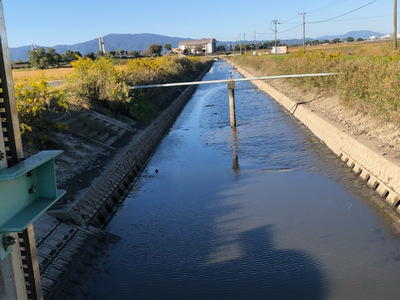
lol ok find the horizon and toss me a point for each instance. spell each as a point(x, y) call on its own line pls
point(218, 41)
point(28, 22)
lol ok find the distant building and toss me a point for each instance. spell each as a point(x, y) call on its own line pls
point(279, 50)
point(199, 46)
point(225, 47)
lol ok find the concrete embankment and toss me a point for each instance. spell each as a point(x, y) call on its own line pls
point(379, 172)
point(70, 242)
point(97, 203)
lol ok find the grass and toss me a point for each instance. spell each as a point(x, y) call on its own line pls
point(355, 49)
point(368, 80)
point(50, 74)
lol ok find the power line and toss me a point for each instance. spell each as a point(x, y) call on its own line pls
point(291, 28)
point(330, 5)
point(347, 13)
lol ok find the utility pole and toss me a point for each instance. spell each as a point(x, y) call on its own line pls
point(304, 30)
point(244, 42)
point(255, 41)
point(395, 25)
point(240, 44)
point(275, 22)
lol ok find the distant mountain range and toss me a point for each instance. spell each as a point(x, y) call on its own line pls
point(364, 34)
point(112, 42)
point(142, 41)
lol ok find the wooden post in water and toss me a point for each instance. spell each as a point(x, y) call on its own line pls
point(231, 89)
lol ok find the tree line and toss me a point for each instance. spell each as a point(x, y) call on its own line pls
point(42, 59)
point(270, 44)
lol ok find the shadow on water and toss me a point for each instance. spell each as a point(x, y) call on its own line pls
point(265, 272)
point(193, 231)
point(249, 266)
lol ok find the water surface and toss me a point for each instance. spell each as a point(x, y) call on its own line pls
point(263, 211)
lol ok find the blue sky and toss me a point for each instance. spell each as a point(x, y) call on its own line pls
point(50, 22)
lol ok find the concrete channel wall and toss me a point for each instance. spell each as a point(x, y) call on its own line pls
point(376, 170)
point(71, 244)
point(97, 204)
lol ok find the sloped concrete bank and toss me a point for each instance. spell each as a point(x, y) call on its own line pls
point(96, 204)
point(71, 244)
point(378, 171)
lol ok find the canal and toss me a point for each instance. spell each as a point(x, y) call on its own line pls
point(261, 212)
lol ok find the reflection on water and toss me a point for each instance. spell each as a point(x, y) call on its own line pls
point(287, 224)
point(235, 157)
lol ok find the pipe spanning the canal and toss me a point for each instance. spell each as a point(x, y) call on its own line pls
point(228, 80)
point(231, 87)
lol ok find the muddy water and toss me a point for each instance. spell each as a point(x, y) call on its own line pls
point(264, 211)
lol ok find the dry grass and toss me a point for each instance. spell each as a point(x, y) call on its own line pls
point(368, 84)
point(379, 48)
point(50, 74)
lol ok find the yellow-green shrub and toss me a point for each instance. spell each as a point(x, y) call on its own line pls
point(34, 99)
point(100, 82)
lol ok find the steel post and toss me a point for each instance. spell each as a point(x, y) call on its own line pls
point(232, 112)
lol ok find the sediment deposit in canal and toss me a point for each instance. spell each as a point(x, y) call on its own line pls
point(263, 211)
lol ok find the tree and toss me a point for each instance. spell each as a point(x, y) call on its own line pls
point(100, 53)
point(134, 53)
point(335, 41)
point(34, 59)
point(267, 45)
point(68, 56)
point(155, 49)
point(42, 60)
point(360, 39)
point(91, 56)
point(168, 47)
point(349, 39)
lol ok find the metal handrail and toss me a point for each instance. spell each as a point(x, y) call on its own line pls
point(229, 80)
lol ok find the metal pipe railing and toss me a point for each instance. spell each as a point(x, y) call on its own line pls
point(229, 80)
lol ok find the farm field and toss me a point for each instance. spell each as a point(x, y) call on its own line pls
point(380, 48)
point(49, 74)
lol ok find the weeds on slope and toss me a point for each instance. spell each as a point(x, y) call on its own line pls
point(370, 85)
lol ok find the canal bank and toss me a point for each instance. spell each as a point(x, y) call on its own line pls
point(379, 169)
point(265, 211)
point(71, 244)
point(62, 250)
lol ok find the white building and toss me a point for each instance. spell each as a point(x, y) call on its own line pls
point(199, 46)
point(279, 50)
